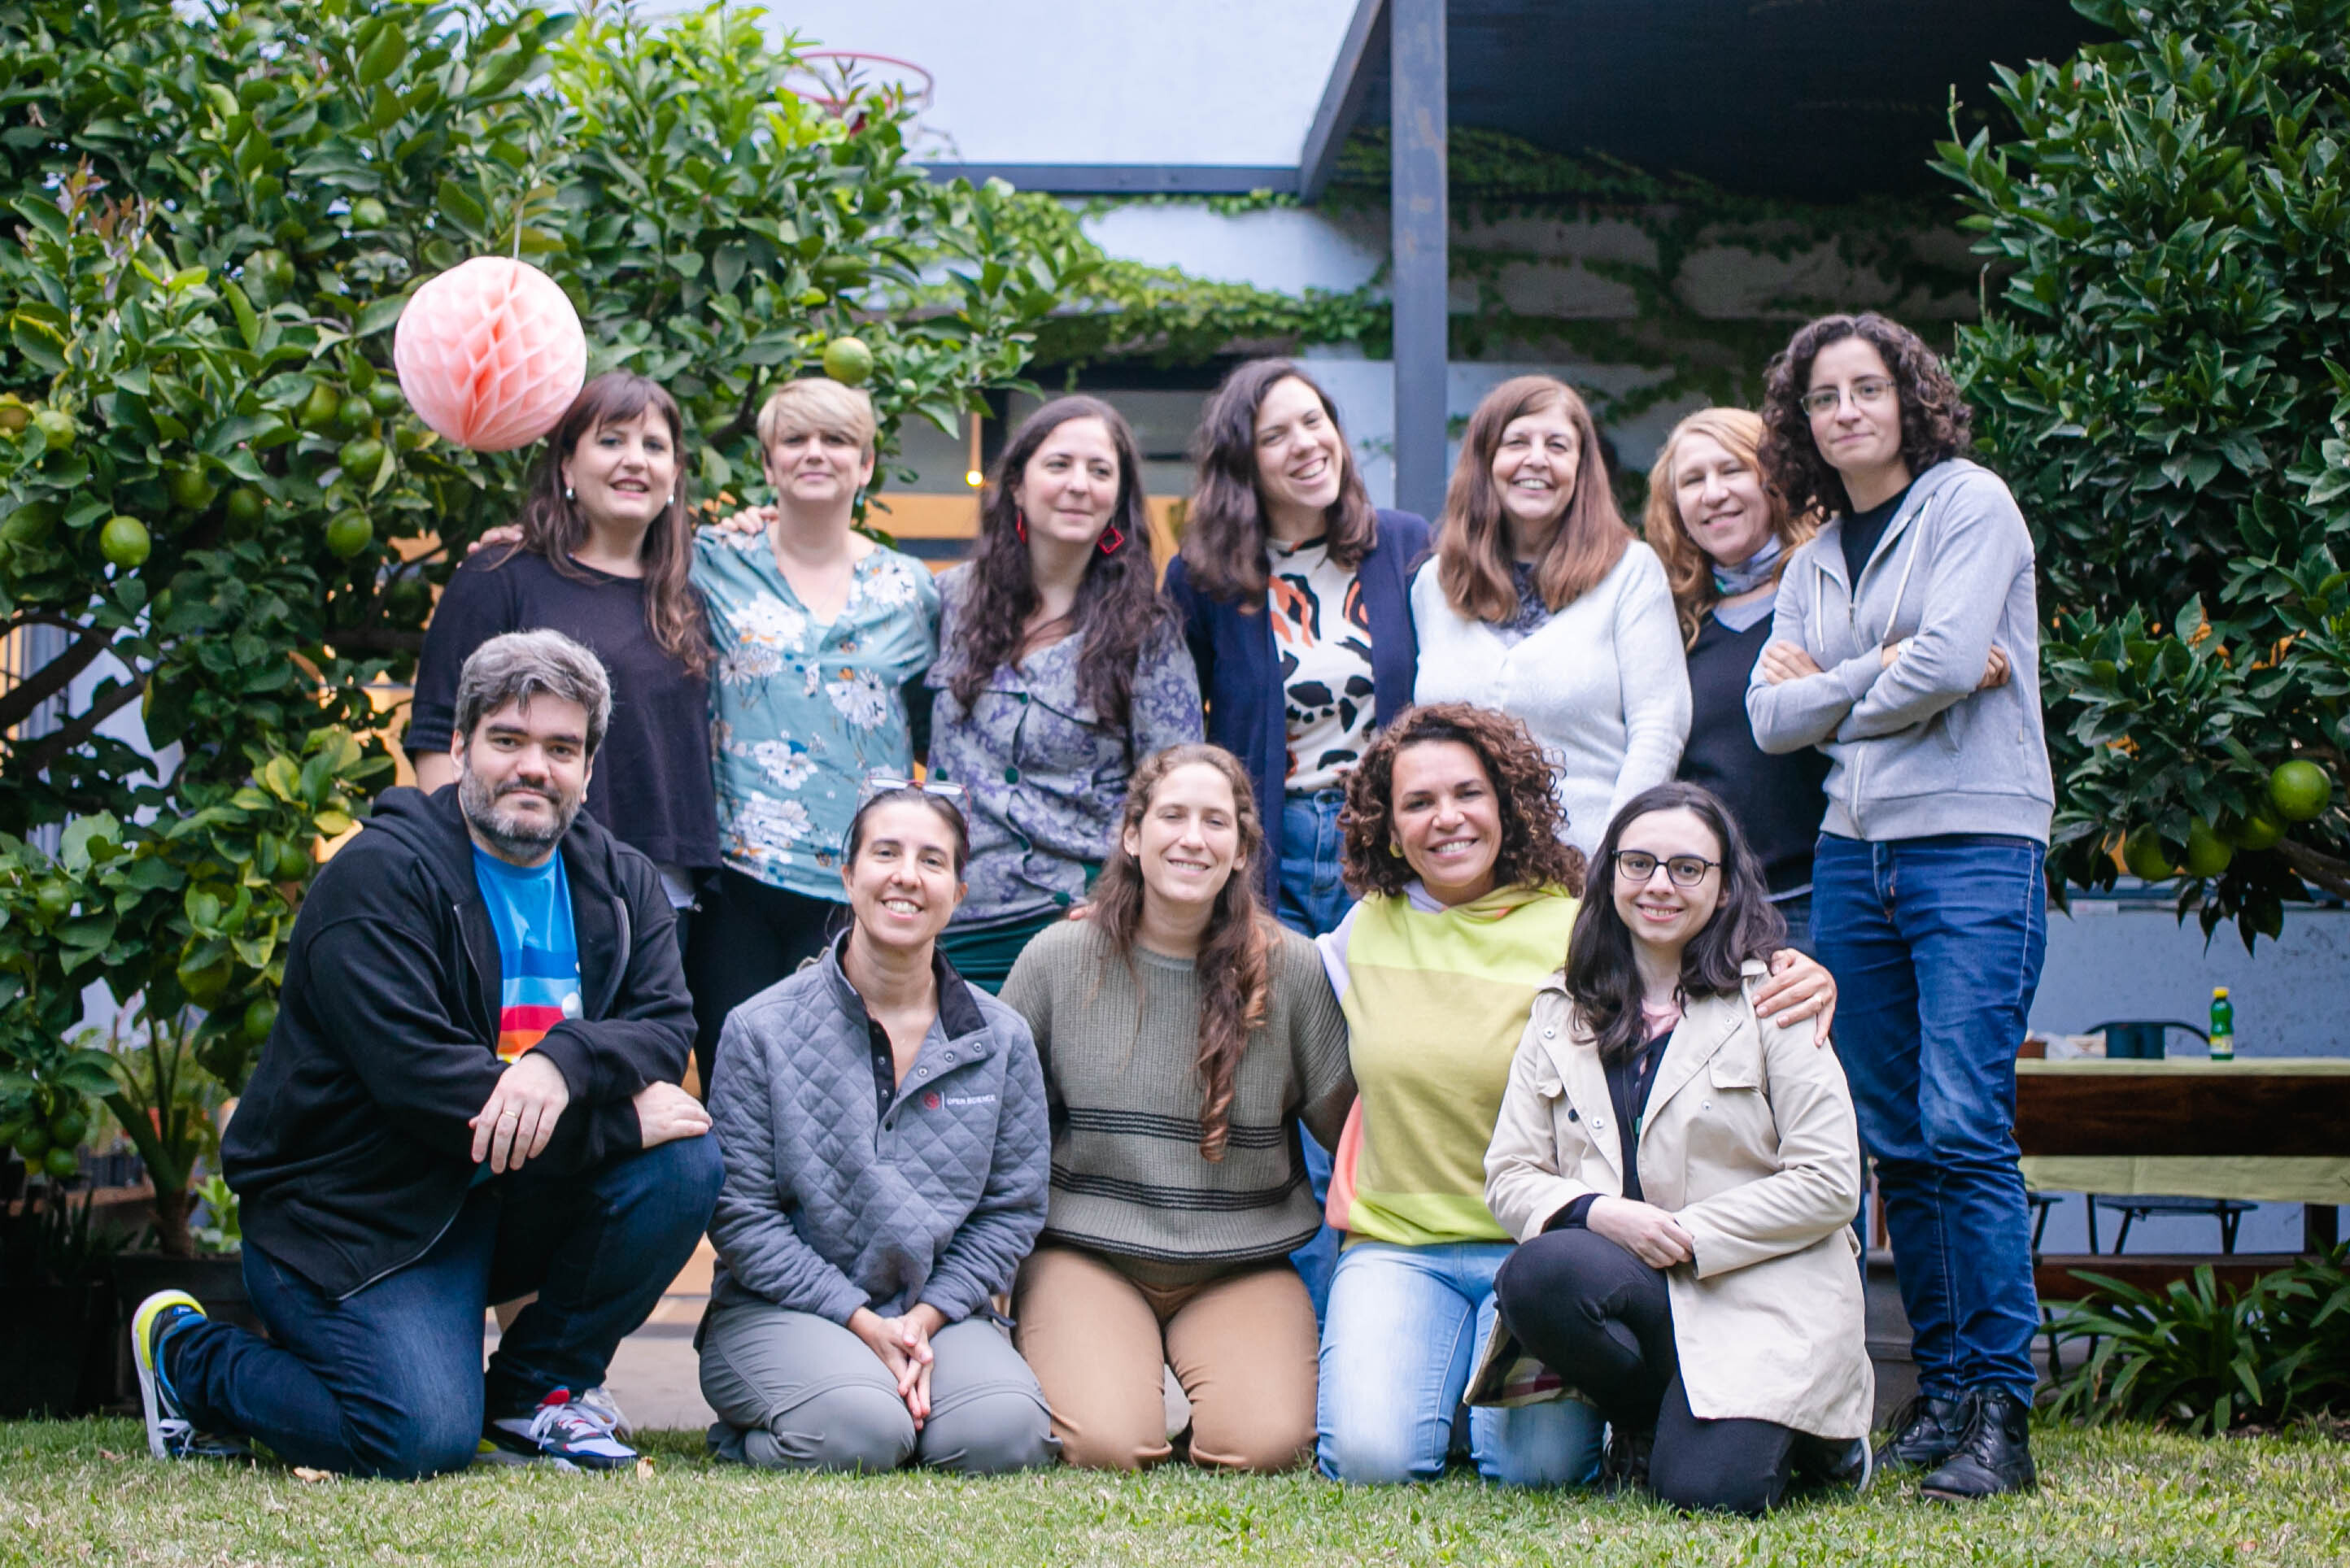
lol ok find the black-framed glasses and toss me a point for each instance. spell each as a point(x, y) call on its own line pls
point(1638, 866)
point(884, 784)
point(1867, 392)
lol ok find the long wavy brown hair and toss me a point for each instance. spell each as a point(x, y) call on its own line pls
point(1234, 960)
point(1936, 424)
point(553, 525)
point(1473, 548)
point(1224, 531)
point(1688, 570)
point(1532, 854)
point(1118, 605)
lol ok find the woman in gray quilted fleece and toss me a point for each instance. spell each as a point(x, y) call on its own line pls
point(885, 1134)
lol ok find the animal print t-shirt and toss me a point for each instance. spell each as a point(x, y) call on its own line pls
point(1322, 636)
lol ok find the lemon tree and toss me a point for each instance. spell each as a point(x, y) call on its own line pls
point(2162, 376)
point(212, 491)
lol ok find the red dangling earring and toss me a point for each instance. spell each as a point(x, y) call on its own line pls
point(1111, 540)
point(1020, 525)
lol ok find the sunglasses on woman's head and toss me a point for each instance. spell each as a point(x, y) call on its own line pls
point(884, 784)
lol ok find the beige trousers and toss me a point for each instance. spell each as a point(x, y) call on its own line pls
point(1243, 1347)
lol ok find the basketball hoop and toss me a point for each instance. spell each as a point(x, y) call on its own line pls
point(838, 80)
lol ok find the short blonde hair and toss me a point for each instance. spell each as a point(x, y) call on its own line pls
point(821, 404)
point(1689, 571)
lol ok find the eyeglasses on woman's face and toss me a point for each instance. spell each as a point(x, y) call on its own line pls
point(1869, 392)
point(1638, 867)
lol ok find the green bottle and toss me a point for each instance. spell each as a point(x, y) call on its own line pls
point(2223, 1026)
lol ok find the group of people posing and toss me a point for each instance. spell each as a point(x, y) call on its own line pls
point(1086, 977)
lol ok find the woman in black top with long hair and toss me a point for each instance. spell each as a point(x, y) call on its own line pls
point(604, 552)
point(1724, 536)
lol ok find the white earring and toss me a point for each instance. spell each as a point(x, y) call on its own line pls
point(566, 494)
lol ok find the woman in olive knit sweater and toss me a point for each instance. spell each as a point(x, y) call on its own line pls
point(1181, 1033)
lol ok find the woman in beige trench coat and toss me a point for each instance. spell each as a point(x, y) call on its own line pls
point(1682, 1184)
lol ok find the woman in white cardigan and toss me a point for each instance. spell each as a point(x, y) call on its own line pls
point(1540, 603)
point(1681, 1183)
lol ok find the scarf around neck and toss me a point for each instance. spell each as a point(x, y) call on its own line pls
point(1749, 574)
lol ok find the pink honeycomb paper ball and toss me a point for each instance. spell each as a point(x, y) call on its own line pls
point(490, 354)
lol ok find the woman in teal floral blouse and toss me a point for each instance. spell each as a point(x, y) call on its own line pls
point(818, 632)
point(1060, 668)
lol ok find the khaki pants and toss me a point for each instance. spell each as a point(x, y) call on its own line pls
point(1243, 1347)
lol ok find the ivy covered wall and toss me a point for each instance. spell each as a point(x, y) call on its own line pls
point(1655, 294)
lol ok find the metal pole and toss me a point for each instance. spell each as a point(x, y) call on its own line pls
point(1418, 114)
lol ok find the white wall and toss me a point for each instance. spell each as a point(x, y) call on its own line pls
point(1099, 81)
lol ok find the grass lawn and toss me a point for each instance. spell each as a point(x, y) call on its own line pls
point(84, 1492)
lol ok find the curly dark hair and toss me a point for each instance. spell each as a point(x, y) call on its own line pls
point(1936, 424)
point(1234, 963)
point(1118, 604)
point(1531, 856)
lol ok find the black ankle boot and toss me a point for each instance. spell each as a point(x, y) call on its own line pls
point(1925, 1432)
point(1995, 1451)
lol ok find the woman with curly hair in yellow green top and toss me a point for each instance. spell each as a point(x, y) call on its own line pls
point(1468, 895)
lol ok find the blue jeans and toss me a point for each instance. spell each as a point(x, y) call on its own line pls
point(1936, 945)
point(1310, 896)
point(389, 1381)
point(1405, 1327)
point(1312, 901)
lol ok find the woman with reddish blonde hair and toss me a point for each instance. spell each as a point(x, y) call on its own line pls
point(1181, 1030)
point(1724, 536)
point(1542, 604)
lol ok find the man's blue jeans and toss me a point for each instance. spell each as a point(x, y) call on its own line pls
point(1936, 945)
point(1312, 901)
point(388, 1382)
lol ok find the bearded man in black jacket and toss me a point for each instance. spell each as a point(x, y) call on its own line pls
point(471, 1093)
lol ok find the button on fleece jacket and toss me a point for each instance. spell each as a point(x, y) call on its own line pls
point(1914, 750)
point(829, 1205)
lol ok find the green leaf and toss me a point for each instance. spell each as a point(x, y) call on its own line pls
point(380, 313)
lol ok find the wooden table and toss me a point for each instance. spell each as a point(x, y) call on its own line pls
point(2269, 1128)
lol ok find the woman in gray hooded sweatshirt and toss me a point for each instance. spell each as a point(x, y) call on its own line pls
point(1905, 645)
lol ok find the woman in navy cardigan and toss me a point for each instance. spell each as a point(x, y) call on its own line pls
point(1296, 601)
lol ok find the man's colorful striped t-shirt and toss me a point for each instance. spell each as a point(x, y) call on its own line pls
point(538, 954)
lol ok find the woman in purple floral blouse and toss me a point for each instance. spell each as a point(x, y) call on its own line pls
point(1060, 667)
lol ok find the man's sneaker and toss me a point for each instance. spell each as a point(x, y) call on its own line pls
point(170, 1434)
point(561, 1429)
point(1994, 1453)
point(1925, 1432)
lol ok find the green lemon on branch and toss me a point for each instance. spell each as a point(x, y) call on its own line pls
point(349, 533)
point(2207, 854)
point(58, 429)
point(848, 362)
point(319, 408)
point(125, 542)
point(2145, 855)
point(2300, 789)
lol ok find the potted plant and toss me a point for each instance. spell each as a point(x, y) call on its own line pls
point(167, 1104)
point(58, 1322)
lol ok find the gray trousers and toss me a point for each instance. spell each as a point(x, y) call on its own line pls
point(796, 1391)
